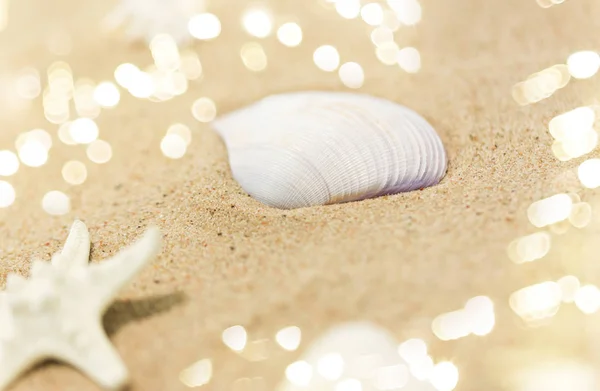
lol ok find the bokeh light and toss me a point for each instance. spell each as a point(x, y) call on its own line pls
point(589, 173)
point(205, 26)
point(173, 146)
point(258, 22)
point(197, 374)
point(74, 172)
point(583, 64)
point(235, 338)
point(289, 34)
point(99, 151)
point(444, 376)
point(409, 59)
point(352, 75)
point(254, 56)
point(569, 286)
point(56, 203)
point(83, 130)
point(182, 131)
point(348, 9)
point(529, 248)
point(7, 194)
point(550, 210)
point(587, 299)
point(9, 163)
point(106, 94)
point(326, 58)
point(289, 338)
point(331, 366)
point(537, 302)
point(299, 373)
point(204, 109)
point(372, 14)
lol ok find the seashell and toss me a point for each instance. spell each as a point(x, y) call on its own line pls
point(303, 149)
point(353, 356)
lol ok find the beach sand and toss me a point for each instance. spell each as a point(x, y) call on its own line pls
point(398, 260)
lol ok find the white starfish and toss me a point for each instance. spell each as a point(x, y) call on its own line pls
point(57, 313)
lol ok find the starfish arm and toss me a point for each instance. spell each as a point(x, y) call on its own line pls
point(13, 362)
point(94, 355)
point(76, 252)
point(111, 275)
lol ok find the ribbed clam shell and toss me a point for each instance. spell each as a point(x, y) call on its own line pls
point(302, 149)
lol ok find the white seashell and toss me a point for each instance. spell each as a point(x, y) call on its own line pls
point(303, 149)
point(352, 356)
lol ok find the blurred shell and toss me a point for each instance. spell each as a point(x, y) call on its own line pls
point(302, 149)
point(369, 355)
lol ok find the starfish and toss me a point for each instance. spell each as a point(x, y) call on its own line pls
point(57, 312)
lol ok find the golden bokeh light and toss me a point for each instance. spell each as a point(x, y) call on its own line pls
point(289, 338)
point(173, 146)
point(28, 84)
point(9, 163)
point(56, 203)
point(125, 74)
point(583, 64)
point(569, 286)
point(326, 58)
point(33, 153)
point(165, 52)
point(541, 85)
point(190, 65)
point(382, 35)
point(289, 34)
point(372, 14)
point(587, 299)
point(182, 131)
point(99, 151)
point(83, 96)
point(74, 172)
point(3, 14)
point(141, 85)
point(550, 210)
point(331, 366)
point(529, 248)
point(348, 385)
point(235, 338)
point(581, 214)
point(390, 20)
point(589, 173)
point(83, 130)
point(387, 53)
point(413, 350)
point(197, 374)
point(205, 26)
point(352, 75)
point(348, 9)
point(537, 302)
point(421, 369)
point(409, 12)
point(258, 22)
point(392, 377)
point(7, 194)
point(204, 109)
point(106, 94)
point(451, 326)
point(64, 134)
point(299, 373)
point(444, 376)
point(254, 56)
point(409, 59)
